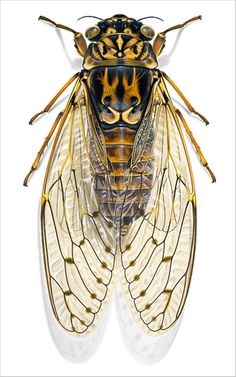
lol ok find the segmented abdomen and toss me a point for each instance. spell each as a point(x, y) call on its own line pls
point(120, 186)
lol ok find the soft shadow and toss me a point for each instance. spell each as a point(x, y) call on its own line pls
point(76, 64)
point(59, 102)
point(164, 60)
point(144, 348)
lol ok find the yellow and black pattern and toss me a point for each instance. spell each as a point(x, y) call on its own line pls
point(120, 49)
point(119, 41)
point(120, 96)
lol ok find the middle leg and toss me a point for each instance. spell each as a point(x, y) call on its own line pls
point(187, 103)
point(196, 146)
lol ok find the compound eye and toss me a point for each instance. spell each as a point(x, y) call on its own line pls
point(147, 31)
point(92, 32)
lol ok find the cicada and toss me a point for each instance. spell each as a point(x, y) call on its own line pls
point(118, 199)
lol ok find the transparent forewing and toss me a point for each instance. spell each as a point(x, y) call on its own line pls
point(157, 247)
point(79, 246)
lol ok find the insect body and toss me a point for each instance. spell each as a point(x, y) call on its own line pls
point(119, 198)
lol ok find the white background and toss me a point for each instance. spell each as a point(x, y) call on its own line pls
point(34, 66)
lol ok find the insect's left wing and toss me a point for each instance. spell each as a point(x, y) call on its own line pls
point(78, 245)
point(157, 247)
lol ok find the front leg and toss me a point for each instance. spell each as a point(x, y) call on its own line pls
point(159, 42)
point(53, 100)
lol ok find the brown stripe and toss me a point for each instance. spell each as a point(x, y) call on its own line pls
point(119, 153)
point(109, 209)
point(121, 183)
point(110, 197)
point(119, 135)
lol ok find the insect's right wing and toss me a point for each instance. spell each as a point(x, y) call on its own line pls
point(78, 242)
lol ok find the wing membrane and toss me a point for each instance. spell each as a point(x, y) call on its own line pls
point(157, 248)
point(79, 248)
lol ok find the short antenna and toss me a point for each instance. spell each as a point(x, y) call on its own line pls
point(144, 18)
point(98, 18)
